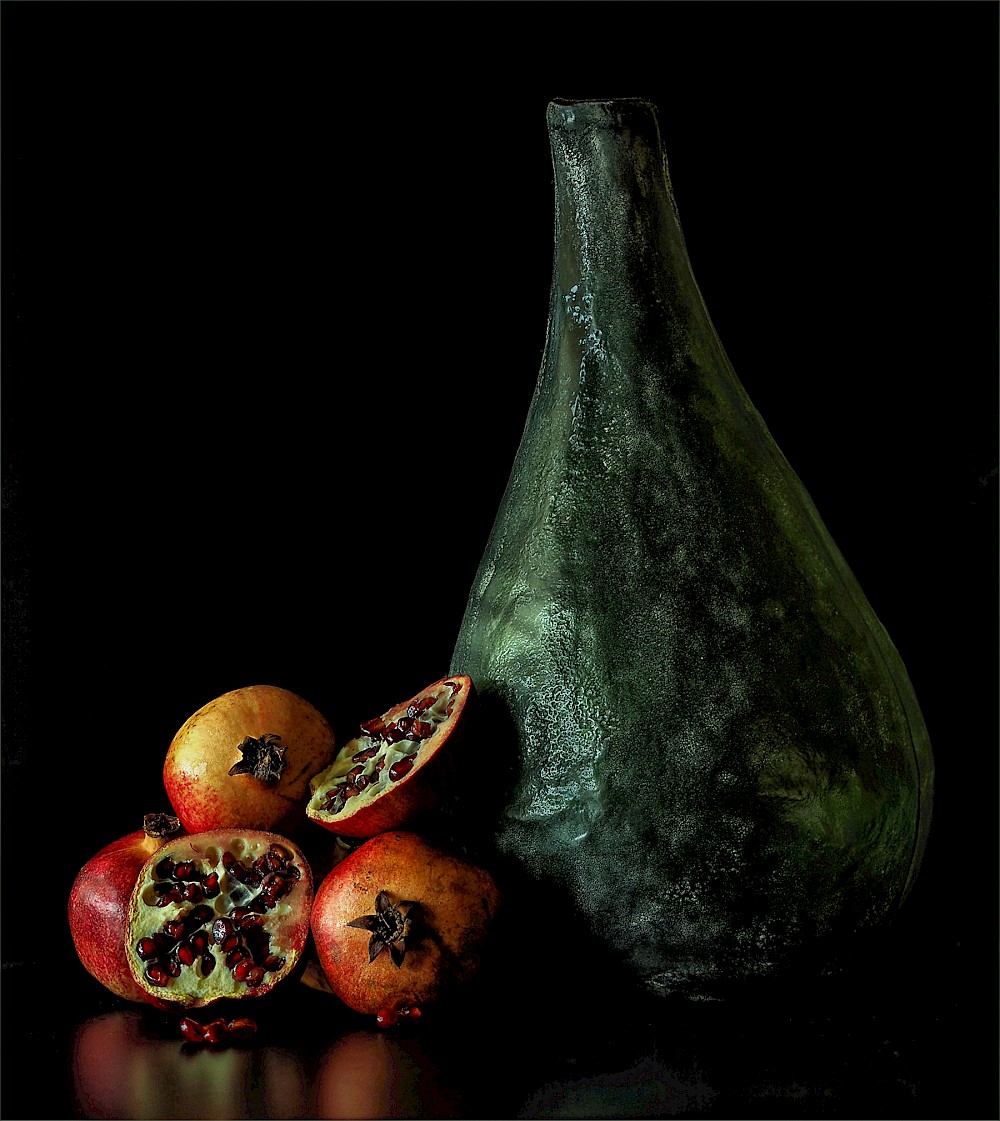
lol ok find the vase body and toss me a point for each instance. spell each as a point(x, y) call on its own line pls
point(715, 755)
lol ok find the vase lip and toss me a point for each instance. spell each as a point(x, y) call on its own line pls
point(571, 113)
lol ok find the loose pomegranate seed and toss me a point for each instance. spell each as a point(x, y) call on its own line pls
point(400, 768)
point(216, 1031)
point(192, 1031)
point(242, 1028)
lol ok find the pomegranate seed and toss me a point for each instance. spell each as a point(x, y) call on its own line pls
point(157, 975)
point(192, 1031)
point(199, 942)
point(146, 948)
point(207, 963)
point(350, 792)
point(173, 895)
point(173, 966)
point(242, 968)
point(258, 904)
point(393, 734)
point(365, 754)
point(192, 893)
point(242, 1028)
point(175, 929)
point(186, 953)
point(237, 955)
point(238, 914)
point(211, 885)
point(216, 1031)
point(421, 730)
point(201, 914)
point(255, 977)
point(272, 963)
point(184, 871)
point(373, 728)
point(401, 767)
point(361, 782)
point(165, 868)
point(221, 930)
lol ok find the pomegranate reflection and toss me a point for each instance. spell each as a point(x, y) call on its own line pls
point(367, 1074)
point(127, 1064)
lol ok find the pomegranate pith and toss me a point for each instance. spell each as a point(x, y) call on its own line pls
point(393, 771)
point(218, 915)
point(99, 900)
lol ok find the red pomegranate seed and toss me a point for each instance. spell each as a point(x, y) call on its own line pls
point(198, 942)
point(175, 929)
point(401, 767)
point(374, 728)
point(146, 948)
point(192, 1031)
point(242, 1028)
point(157, 975)
point(165, 868)
point(192, 893)
point(421, 730)
point(184, 871)
point(242, 968)
point(255, 977)
point(211, 885)
point(272, 963)
point(207, 963)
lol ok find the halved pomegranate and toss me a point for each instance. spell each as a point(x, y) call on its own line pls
point(220, 915)
point(400, 923)
point(392, 771)
point(244, 760)
point(99, 901)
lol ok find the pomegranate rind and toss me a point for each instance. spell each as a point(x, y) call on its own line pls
point(399, 803)
point(457, 901)
point(287, 922)
point(206, 747)
point(98, 910)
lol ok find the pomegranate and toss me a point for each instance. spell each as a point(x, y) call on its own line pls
point(392, 772)
point(218, 915)
point(99, 898)
point(244, 761)
point(400, 923)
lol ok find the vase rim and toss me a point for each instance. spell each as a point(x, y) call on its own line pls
point(564, 112)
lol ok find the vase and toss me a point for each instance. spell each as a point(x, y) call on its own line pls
point(709, 761)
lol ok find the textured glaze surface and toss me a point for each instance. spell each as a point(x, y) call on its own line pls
point(716, 749)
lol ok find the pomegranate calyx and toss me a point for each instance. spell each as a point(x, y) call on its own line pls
point(263, 758)
point(389, 927)
point(160, 825)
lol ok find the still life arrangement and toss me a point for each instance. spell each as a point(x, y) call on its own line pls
point(673, 734)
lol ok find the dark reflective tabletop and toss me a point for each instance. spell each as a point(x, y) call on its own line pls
point(906, 1036)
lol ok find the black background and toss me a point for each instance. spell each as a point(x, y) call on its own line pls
point(275, 290)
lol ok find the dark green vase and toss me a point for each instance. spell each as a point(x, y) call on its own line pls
point(717, 763)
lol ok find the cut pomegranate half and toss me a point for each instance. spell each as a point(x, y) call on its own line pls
point(220, 915)
point(391, 772)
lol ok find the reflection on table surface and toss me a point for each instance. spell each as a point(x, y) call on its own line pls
point(126, 1064)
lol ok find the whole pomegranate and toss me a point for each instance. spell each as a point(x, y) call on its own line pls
point(244, 760)
point(99, 899)
point(400, 923)
point(395, 768)
point(220, 915)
